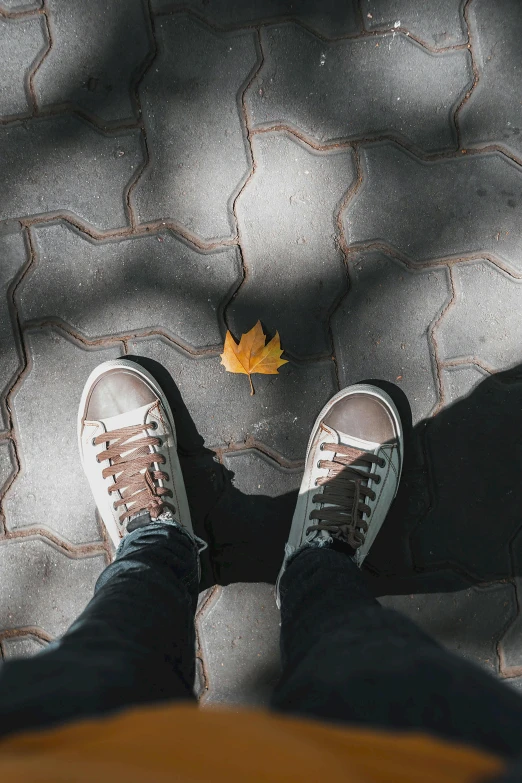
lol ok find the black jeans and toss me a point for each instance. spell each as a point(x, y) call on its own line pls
point(345, 658)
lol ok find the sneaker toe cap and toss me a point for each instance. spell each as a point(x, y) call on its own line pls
point(117, 391)
point(363, 416)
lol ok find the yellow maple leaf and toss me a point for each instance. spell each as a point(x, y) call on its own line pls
point(252, 355)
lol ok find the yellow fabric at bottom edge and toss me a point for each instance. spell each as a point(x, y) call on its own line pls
point(187, 744)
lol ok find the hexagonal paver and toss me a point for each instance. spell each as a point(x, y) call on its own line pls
point(198, 157)
point(474, 448)
point(21, 42)
point(295, 270)
point(467, 619)
point(144, 283)
point(382, 328)
point(97, 49)
point(448, 208)
point(280, 414)
point(330, 17)
point(42, 587)
point(239, 633)
point(23, 646)
point(51, 491)
point(62, 164)
point(492, 115)
point(337, 91)
point(13, 255)
point(438, 24)
point(485, 321)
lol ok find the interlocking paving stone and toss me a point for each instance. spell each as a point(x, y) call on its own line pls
point(240, 636)
point(461, 206)
point(42, 587)
point(21, 41)
point(337, 90)
point(295, 267)
point(513, 682)
point(474, 443)
point(20, 5)
point(437, 24)
point(461, 380)
point(485, 321)
point(249, 526)
point(382, 328)
point(467, 619)
point(7, 464)
point(390, 553)
point(330, 17)
point(63, 164)
point(13, 255)
point(493, 114)
point(510, 647)
point(97, 49)
point(280, 414)
point(198, 157)
point(149, 282)
point(199, 680)
point(51, 491)
point(22, 646)
point(257, 474)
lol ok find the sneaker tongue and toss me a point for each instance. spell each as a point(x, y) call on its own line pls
point(143, 518)
point(138, 520)
point(344, 439)
point(130, 418)
point(136, 416)
point(356, 443)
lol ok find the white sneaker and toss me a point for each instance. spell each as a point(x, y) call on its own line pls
point(352, 471)
point(128, 449)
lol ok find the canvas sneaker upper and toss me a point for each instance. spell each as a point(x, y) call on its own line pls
point(352, 471)
point(127, 442)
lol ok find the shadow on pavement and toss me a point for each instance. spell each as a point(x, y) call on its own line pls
point(464, 522)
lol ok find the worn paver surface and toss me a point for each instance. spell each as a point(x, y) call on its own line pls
point(349, 173)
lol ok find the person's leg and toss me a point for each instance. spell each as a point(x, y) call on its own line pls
point(346, 658)
point(134, 643)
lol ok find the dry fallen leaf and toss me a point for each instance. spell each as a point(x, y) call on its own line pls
point(252, 355)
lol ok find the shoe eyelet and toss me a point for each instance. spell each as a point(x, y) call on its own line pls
point(321, 447)
point(93, 441)
point(377, 479)
point(319, 464)
point(382, 463)
point(153, 425)
point(97, 460)
point(167, 477)
point(160, 442)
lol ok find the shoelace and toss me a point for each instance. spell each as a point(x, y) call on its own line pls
point(133, 473)
point(345, 492)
